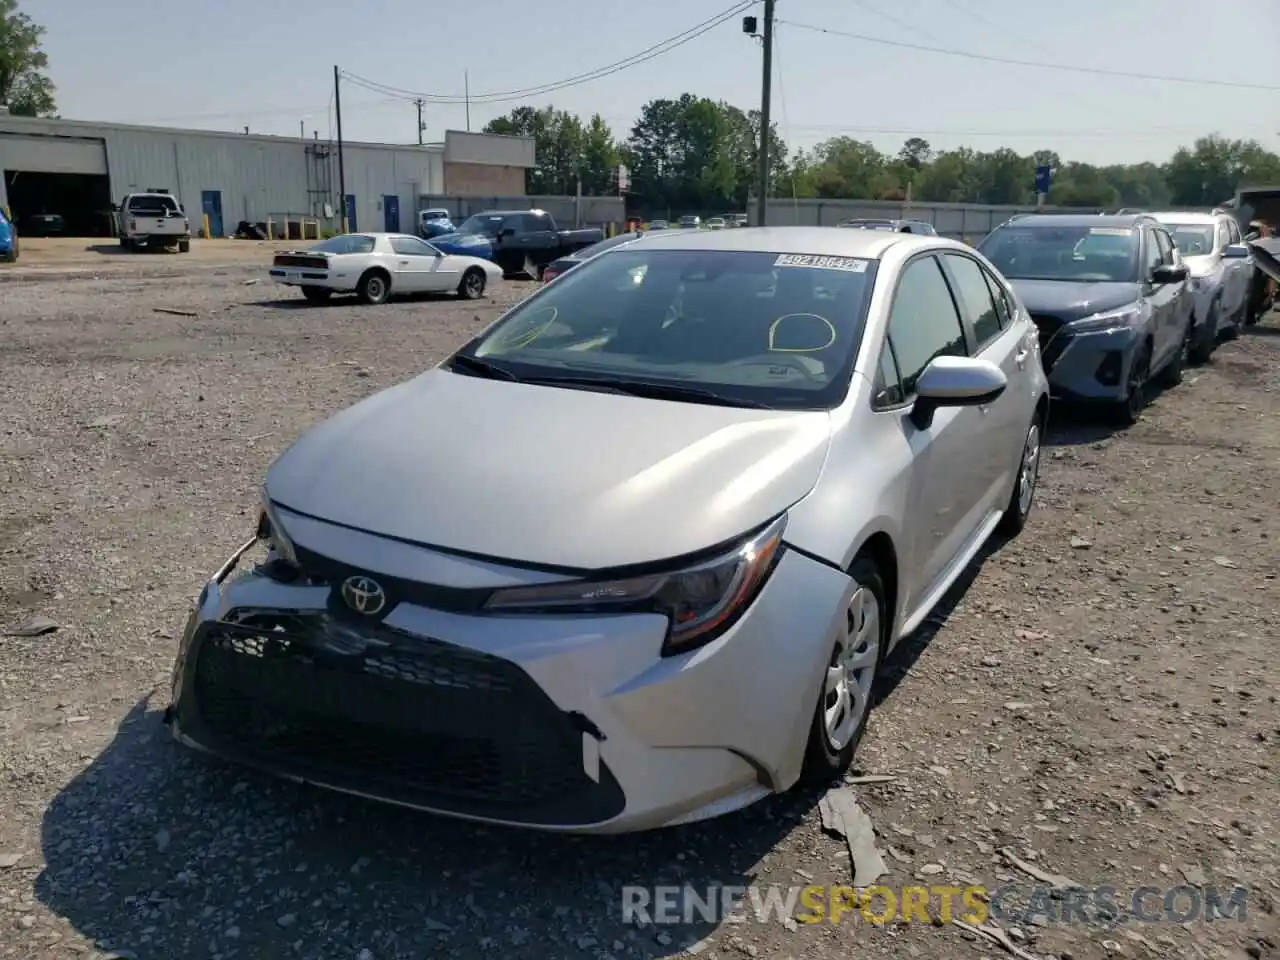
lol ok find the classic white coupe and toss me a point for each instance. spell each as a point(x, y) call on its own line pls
point(376, 265)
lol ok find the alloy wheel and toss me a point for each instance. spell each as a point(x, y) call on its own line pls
point(847, 689)
point(1030, 471)
point(1137, 384)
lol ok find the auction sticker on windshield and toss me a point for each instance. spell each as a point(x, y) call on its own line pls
point(849, 264)
point(1110, 231)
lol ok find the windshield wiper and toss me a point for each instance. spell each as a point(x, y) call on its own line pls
point(483, 368)
point(649, 389)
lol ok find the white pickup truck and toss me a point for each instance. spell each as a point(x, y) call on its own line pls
point(152, 220)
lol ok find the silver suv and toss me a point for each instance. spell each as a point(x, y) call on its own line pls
point(1220, 272)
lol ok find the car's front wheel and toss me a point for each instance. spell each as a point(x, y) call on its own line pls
point(844, 699)
point(1171, 375)
point(1128, 411)
point(1207, 339)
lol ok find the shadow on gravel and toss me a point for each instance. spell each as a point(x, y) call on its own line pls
point(115, 250)
point(1073, 425)
point(301, 303)
point(1260, 331)
point(158, 853)
point(899, 663)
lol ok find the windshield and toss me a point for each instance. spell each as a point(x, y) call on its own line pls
point(1051, 252)
point(1192, 239)
point(753, 328)
point(153, 204)
point(435, 214)
point(485, 224)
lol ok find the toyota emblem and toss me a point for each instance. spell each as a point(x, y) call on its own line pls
point(364, 595)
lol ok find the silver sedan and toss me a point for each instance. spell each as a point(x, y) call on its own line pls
point(632, 556)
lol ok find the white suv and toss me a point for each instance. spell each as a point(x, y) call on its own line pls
point(1220, 271)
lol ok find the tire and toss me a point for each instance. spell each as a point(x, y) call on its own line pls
point(1023, 496)
point(1207, 341)
point(472, 285)
point(827, 758)
point(184, 246)
point(317, 294)
point(374, 287)
point(1171, 375)
point(1233, 331)
point(1128, 411)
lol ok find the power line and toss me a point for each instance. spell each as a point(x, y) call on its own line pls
point(994, 25)
point(1130, 132)
point(503, 96)
point(296, 111)
point(968, 55)
point(894, 20)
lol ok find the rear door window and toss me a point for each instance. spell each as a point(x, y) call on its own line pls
point(975, 299)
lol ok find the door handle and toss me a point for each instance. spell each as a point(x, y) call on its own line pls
point(404, 263)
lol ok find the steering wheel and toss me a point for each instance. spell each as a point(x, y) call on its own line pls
point(775, 360)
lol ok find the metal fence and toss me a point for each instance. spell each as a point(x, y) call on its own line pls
point(567, 211)
point(969, 222)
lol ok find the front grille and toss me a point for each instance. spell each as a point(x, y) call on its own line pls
point(1053, 339)
point(301, 260)
point(319, 569)
point(367, 708)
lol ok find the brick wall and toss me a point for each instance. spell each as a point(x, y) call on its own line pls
point(482, 179)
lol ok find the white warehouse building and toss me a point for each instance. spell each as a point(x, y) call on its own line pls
point(77, 169)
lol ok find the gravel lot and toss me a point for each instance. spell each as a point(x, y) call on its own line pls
point(1096, 697)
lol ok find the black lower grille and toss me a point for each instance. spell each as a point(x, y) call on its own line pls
point(417, 721)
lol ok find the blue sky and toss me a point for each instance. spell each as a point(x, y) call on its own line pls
point(268, 64)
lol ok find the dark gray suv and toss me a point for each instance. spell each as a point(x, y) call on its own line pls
point(920, 227)
point(1109, 297)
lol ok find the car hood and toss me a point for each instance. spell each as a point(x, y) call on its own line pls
point(1074, 301)
point(550, 476)
point(1266, 254)
point(476, 244)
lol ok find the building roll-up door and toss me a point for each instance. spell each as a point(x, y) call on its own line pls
point(53, 154)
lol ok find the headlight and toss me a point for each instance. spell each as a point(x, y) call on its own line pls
point(271, 530)
point(1113, 321)
point(700, 601)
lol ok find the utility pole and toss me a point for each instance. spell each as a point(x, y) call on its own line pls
point(466, 84)
point(418, 103)
point(342, 173)
point(766, 97)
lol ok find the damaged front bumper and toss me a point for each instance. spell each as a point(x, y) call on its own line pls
point(562, 723)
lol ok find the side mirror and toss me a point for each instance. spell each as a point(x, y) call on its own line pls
point(1169, 273)
point(955, 382)
point(506, 232)
point(1237, 251)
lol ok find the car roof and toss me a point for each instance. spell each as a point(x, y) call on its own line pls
point(1081, 219)
point(1173, 216)
point(819, 241)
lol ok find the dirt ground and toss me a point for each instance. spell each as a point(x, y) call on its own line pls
point(1097, 698)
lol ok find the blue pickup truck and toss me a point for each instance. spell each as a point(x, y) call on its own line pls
point(8, 238)
point(522, 242)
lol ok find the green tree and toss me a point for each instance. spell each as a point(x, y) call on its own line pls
point(566, 150)
point(23, 85)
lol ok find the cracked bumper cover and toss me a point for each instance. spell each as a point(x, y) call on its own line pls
point(673, 740)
